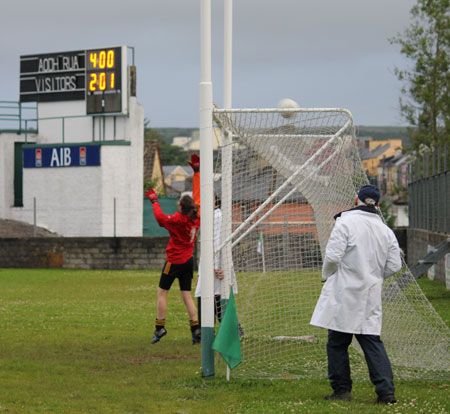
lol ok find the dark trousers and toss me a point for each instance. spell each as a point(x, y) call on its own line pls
point(376, 357)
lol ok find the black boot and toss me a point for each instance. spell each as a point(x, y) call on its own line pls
point(340, 396)
point(386, 399)
point(196, 332)
point(160, 330)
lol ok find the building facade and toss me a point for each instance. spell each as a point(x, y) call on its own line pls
point(78, 175)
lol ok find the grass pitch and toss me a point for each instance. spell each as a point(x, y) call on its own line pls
point(76, 341)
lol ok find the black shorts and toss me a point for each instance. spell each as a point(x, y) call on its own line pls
point(184, 272)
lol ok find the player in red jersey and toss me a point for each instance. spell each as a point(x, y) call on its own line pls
point(183, 227)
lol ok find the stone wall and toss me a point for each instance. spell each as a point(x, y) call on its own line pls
point(84, 252)
point(417, 247)
point(148, 252)
point(402, 235)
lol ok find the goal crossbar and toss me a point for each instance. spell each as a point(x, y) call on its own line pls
point(297, 172)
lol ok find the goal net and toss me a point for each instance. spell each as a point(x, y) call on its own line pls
point(283, 174)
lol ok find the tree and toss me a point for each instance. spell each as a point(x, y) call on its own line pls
point(389, 218)
point(425, 100)
point(170, 154)
point(153, 183)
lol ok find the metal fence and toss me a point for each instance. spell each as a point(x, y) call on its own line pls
point(429, 192)
point(18, 117)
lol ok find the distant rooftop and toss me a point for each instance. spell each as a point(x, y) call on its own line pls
point(367, 154)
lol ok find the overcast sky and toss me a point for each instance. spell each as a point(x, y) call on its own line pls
point(321, 53)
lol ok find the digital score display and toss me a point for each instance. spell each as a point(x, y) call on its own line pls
point(104, 80)
point(101, 68)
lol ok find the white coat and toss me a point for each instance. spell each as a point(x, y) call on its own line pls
point(217, 259)
point(361, 252)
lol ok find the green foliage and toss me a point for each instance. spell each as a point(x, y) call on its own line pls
point(149, 183)
point(170, 154)
point(399, 193)
point(389, 218)
point(78, 341)
point(168, 134)
point(425, 101)
point(151, 134)
point(384, 132)
point(438, 295)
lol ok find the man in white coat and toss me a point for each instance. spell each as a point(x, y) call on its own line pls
point(361, 252)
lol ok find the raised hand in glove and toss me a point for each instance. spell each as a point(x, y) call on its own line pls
point(152, 196)
point(195, 162)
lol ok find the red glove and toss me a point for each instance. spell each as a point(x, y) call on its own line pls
point(195, 162)
point(152, 196)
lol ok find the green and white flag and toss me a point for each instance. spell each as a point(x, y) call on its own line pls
point(261, 251)
point(260, 244)
point(227, 341)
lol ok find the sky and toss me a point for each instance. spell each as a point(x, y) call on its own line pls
point(320, 53)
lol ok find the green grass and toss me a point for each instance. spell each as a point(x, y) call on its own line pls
point(74, 341)
point(439, 296)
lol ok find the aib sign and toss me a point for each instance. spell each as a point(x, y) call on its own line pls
point(61, 156)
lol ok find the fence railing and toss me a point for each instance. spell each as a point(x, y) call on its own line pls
point(13, 112)
point(429, 192)
point(18, 117)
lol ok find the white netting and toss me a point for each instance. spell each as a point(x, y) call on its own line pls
point(289, 172)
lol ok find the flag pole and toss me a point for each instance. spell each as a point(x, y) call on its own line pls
point(261, 250)
point(262, 254)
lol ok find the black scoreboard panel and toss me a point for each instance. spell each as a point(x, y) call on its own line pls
point(104, 80)
point(94, 75)
point(52, 77)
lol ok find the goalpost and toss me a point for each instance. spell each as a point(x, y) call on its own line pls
point(286, 173)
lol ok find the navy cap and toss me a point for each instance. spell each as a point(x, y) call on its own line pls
point(369, 191)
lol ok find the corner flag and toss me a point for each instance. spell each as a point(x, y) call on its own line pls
point(227, 341)
point(261, 251)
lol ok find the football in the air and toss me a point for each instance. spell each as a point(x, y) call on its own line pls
point(287, 103)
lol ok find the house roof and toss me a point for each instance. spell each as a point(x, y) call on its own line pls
point(151, 154)
point(396, 160)
point(178, 187)
point(264, 183)
point(169, 169)
point(366, 154)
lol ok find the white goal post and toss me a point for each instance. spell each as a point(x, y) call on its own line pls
point(286, 173)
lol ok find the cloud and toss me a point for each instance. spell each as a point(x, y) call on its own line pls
point(279, 47)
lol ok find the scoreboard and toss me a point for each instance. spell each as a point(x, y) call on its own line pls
point(98, 76)
point(103, 80)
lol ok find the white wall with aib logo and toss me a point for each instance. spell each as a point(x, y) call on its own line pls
point(64, 190)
